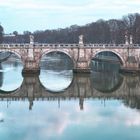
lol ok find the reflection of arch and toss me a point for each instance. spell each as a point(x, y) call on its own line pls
point(2, 92)
point(62, 52)
point(60, 90)
point(120, 58)
point(100, 81)
point(13, 91)
point(56, 92)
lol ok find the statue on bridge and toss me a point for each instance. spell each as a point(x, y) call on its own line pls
point(31, 39)
point(81, 40)
point(126, 40)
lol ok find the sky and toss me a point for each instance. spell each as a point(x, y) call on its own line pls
point(32, 15)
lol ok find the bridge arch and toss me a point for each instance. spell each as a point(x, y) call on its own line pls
point(16, 53)
point(121, 59)
point(60, 51)
point(12, 51)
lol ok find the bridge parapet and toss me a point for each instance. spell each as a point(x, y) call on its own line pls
point(45, 45)
point(14, 46)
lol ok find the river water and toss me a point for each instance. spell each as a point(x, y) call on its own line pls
point(60, 105)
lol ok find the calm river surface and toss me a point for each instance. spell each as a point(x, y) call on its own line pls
point(60, 105)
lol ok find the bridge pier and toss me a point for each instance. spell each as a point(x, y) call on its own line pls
point(31, 67)
point(31, 62)
point(82, 62)
point(130, 69)
point(31, 72)
point(79, 70)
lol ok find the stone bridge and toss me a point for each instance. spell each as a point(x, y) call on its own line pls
point(81, 88)
point(81, 54)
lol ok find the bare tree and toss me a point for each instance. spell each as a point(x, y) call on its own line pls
point(1, 34)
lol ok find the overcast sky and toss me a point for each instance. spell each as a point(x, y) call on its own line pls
point(21, 15)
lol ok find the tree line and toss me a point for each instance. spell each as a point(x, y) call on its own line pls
point(1, 34)
point(101, 31)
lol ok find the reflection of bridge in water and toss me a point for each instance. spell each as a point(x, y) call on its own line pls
point(81, 88)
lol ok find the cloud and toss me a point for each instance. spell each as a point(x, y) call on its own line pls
point(69, 6)
point(44, 14)
point(33, 4)
point(129, 117)
point(50, 122)
point(2, 115)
